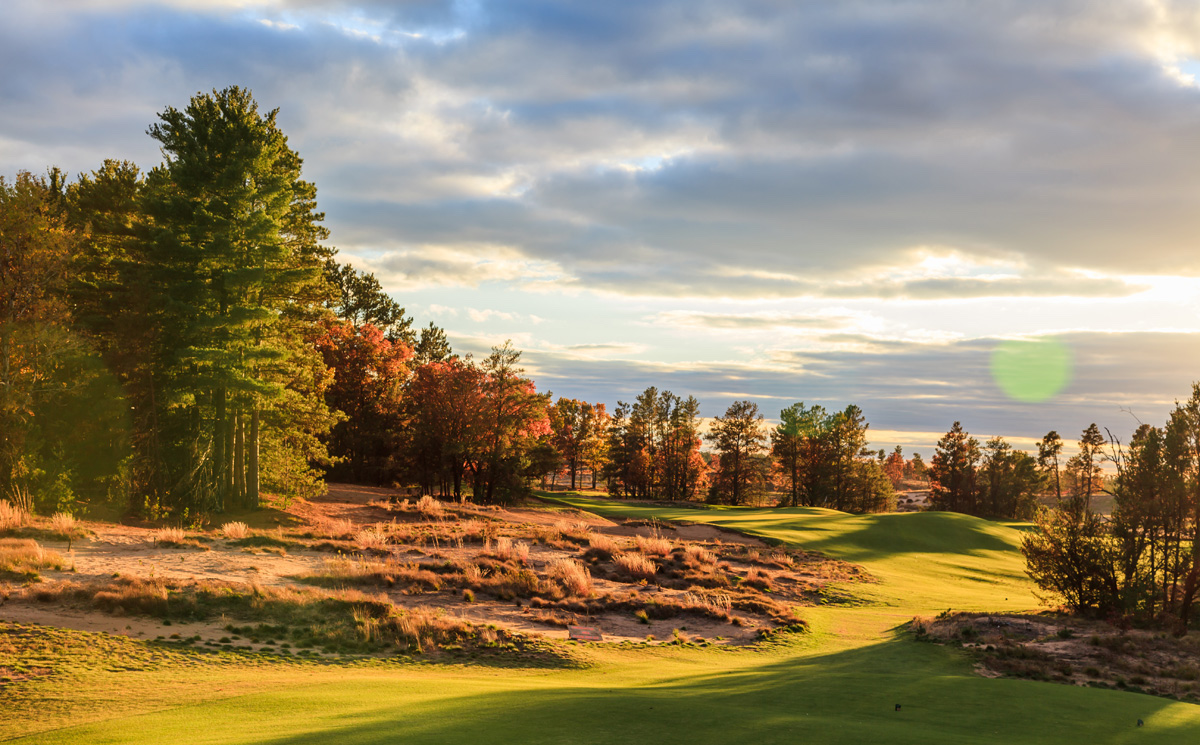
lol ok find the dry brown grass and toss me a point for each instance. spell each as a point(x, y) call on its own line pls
point(170, 535)
point(574, 577)
point(333, 527)
point(654, 545)
point(371, 539)
point(698, 556)
point(430, 507)
point(507, 549)
point(11, 517)
point(25, 557)
point(635, 565)
point(235, 530)
point(64, 523)
point(602, 542)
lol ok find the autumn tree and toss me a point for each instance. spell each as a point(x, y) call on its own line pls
point(369, 374)
point(359, 299)
point(893, 466)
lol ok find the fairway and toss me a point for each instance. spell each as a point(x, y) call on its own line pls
point(838, 684)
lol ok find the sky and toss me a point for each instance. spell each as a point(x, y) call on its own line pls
point(782, 201)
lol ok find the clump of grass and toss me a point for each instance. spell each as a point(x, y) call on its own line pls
point(64, 523)
point(334, 527)
point(574, 577)
point(170, 536)
point(371, 539)
point(758, 579)
point(635, 565)
point(235, 530)
point(12, 517)
point(430, 507)
point(506, 549)
point(602, 542)
point(696, 555)
point(653, 546)
point(23, 558)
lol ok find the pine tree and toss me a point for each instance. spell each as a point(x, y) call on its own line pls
point(237, 263)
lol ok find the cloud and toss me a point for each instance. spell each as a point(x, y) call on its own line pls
point(650, 148)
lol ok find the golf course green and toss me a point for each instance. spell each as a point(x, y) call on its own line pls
point(838, 683)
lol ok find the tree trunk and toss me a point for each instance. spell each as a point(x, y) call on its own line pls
point(252, 485)
point(239, 458)
point(220, 493)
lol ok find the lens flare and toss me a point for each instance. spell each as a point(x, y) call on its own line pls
point(1033, 370)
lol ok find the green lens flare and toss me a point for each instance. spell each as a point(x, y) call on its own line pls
point(1031, 370)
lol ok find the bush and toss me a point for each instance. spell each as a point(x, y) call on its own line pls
point(23, 558)
point(653, 546)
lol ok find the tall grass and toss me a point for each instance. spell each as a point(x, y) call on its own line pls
point(572, 575)
point(235, 530)
point(64, 523)
point(430, 507)
point(334, 527)
point(11, 516)
point(170, 535)
point(653, 546)
point(506, 548)
point(24, 557)
point(371, 539)
point(635, 565)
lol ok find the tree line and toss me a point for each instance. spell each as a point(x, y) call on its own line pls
point(181, 341)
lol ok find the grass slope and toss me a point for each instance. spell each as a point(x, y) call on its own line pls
point(838, 684)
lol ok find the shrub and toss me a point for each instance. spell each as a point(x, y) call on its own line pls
point(235, 530)
point(572, 575)
point(635, 565)
point(12, 517)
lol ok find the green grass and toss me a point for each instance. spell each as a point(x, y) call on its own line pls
point(837, 684)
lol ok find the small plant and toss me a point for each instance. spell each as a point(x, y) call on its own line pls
point(468, 596)
point(642, 616)
point(698, 555)
point(235, 530)
point(602, 542)
point(1066, 633)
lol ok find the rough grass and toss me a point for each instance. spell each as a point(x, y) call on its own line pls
point(574, 577)
point(23, 558)
point(11, 517)
point(635, 565)
point(839, 685)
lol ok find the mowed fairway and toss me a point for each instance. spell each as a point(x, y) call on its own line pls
point(838, 684)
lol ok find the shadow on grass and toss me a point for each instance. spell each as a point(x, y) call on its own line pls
point(844, 697)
